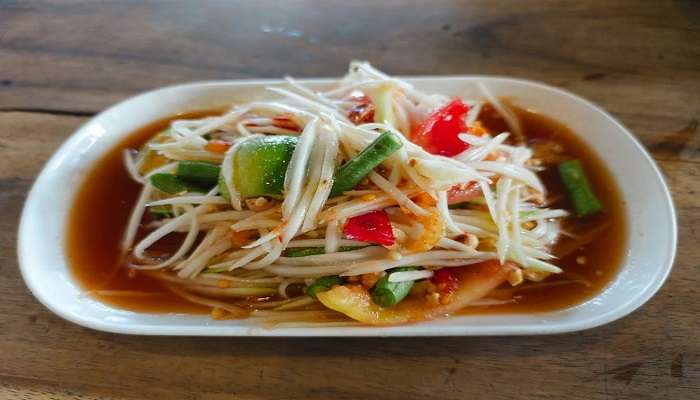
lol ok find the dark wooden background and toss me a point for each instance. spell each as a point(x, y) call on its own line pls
point(61, 62)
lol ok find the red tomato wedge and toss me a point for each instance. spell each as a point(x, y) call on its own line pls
point(446, 280)
point(437, 134)
point(373, 227)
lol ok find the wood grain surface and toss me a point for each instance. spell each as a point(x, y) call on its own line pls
point(61, 62)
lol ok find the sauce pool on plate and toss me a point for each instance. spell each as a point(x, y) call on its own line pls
point(105, 198)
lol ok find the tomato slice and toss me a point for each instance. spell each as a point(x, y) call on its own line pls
point(438, 134)
point(446, 280)
point(373, 227)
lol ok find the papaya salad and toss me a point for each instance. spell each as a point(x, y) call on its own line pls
point(371, 200)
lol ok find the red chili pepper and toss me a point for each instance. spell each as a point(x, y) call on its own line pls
point(445, 280)
point(437, 134)
point(373, 227)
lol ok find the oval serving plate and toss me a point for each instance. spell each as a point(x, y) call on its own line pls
point(650, 214)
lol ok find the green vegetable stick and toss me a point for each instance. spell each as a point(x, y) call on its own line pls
point(168, 183)
point(323, 284)
point(353, 171)
point(198, 172)
point(579, 190)
point(387, 294)
point(160, 212)
point(304, 251)
point(171, 184)
point(313, 251)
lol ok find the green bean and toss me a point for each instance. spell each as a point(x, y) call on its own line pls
point(353, 171)
point(579, 190)
point(198, 172)
point(171, 184)
point(323, 284)
point(387, 294)
point(313, 251)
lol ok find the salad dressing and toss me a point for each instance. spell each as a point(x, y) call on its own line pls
point(106, 196)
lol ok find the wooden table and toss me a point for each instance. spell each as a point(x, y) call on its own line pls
point(61, 62)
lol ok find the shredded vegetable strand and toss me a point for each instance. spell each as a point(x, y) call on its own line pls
point(135, 217)
point(255, 235)
point(296, 171)
point(182, 250)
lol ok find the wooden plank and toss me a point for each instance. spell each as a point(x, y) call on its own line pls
point(65, 56)
point(72, 359)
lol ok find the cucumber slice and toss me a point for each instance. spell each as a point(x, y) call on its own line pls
point(313, 251)
point(260, 165)
point(223, 189)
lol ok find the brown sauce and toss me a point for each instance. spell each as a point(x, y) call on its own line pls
point(96, 225)
point(104, 200)
point(603, 256)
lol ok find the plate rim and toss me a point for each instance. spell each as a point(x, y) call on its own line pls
point(657, 280)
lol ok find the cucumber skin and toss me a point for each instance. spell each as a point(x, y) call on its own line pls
point(260, 165)
point(223, 189)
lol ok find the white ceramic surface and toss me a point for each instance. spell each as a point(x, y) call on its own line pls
point(647, 263)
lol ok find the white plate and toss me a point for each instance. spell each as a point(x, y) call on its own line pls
point(650, 212)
